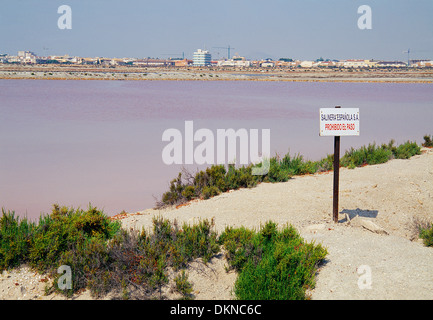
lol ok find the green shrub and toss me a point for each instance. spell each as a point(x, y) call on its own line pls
point(407, 150)
point(354, 158)
point(428, 141)
point(196, 241)
point(378, 156)
point(103, 257)
point(207, 183)
point(159, 277)
point(15, 240)
point(142, 260)
point(240, 245)
point(326, 164)
point(370, 155)
point(167, 247)
point(189, 193)
point(88, 260)
point(216, 177)
point(66, 236)
point(272, 264)
point(183, 286)
point(276, 172)
point(67, 229)
point(240, 178)
point(426, 233)
point(209, 192)
point(174, 195)
point(297, 165)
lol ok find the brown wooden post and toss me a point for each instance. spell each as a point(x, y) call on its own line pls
point(336, 175)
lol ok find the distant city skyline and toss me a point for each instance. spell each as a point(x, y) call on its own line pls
point(276, 29)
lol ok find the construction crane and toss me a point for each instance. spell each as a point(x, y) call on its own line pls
point(228, 50)
point(416, 51)
point(408, 55)
point(45, 49)
point(175, 54)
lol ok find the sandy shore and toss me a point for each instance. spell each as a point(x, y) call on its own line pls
point(375, 235)
point(214, 74)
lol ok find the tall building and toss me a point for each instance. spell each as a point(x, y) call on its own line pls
point(27, 56)
point(201, 58)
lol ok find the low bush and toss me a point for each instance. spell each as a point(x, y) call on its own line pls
point(426, 233)
point(326, 164)
point(276, 172)
point(297, 166)
point(67, 229)
point(407, 150)
point(65, 237)
point(272, 264)
point(207, 183)
point(15, 240)
point(135, 264)
point(103, 257)
point(183, 286)
point(372, 154)
point(210, 191)
point(42, 244)
point(428, 141)
point(89, 261)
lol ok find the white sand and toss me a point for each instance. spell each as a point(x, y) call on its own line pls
point(378, 205)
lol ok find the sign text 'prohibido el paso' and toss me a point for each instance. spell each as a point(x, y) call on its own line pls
point(339, 122)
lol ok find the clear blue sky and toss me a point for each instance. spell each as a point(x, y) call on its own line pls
point(300, 29)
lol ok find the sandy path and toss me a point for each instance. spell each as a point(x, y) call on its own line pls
point(391, 194)
point(398, 268)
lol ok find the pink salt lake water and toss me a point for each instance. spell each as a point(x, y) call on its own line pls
point(100, 142)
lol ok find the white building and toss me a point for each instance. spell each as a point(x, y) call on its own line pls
point(26, 57)
point(325, 64)
point(307, 64)
point(392, 64)
point(201, 58)
point(419, 63)
point(234, 62)
point(267, 64)
point(354, 63)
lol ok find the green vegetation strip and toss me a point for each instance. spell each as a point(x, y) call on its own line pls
point(104, 258)
point(217, 179)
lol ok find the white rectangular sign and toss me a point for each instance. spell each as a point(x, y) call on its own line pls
point(339, 122)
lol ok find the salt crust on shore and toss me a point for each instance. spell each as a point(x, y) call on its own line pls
point(59, 73)
point(387, 196)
